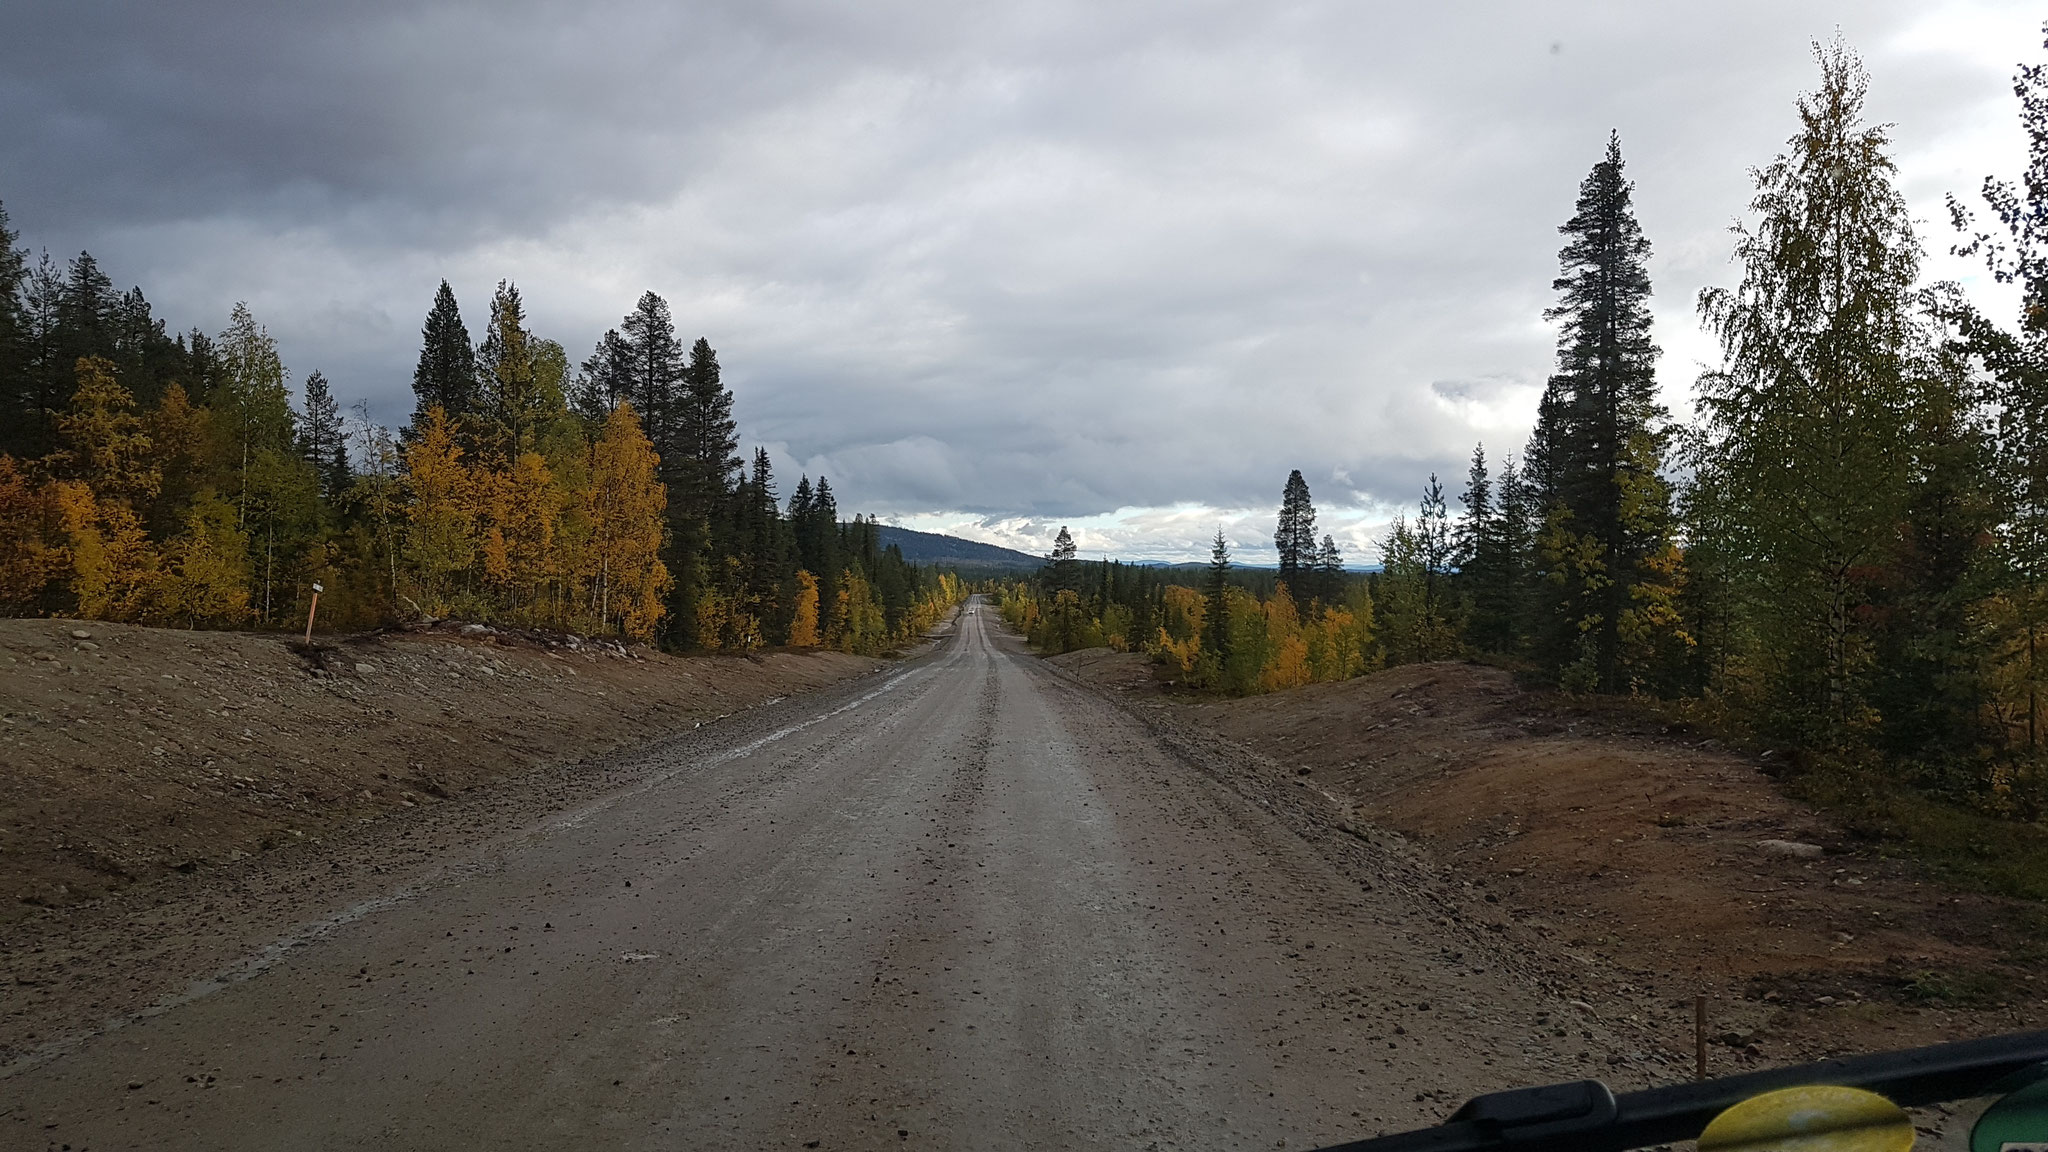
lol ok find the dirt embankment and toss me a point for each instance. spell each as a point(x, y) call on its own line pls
point(1659, 862)
point(127, 752)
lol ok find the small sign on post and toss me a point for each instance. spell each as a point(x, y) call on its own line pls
point(315, 607)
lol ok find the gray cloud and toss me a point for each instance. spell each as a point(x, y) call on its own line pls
point(1005, 263)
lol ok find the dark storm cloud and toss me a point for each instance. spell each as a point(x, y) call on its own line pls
point(1019, 262)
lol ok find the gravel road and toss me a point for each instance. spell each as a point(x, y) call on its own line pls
point(963, 904)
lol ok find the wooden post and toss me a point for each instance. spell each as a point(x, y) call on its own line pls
point(312, 608)
point(1699, 1036)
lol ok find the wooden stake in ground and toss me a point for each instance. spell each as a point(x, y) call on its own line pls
point(1699, 1036)
point(314, 607)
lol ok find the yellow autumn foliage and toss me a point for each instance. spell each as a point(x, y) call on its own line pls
point(803, 623)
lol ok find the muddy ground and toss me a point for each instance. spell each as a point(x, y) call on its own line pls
point(1656, 860)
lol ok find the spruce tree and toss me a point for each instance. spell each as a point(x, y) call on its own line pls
point(706, 436)
point(1477, 524)
point(150, 359)
point(1419, 609)
point(68, 314)
point(652, 360)
point(46, 379)
point(1216, 616)
point(702, 470)
point(86, 312)
point(800, 518)
point(52, 317)
point(1295, 535)
point(825, 519)
point(1484, 566)
point(202, 367)
point(823, 554)
point(1329, 575)
point(1438, 549)
point(1515, 500)
point(322, 440)
point(605, 378)
point(510, 401)
point(1597, 436)
point(16, 395)
point(446, 374)
point(766, 547)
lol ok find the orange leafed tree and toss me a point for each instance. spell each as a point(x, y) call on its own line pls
point(30, 557)
point(104, 441)
point(113, 566)
point(205, 579)
point(522, 506)
point(1336, 646)
point(1180, 635)
point(803, 624)
point(179, 435)
point(1286, 663)
point(440, 541)
point(624, 506)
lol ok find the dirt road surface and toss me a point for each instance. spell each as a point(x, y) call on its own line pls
point(963, 904)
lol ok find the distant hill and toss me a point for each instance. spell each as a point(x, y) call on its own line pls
point(952, 551)
point(933, 548)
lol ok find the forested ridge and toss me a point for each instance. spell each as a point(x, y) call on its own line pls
point(176, 480)
point(1845, 552)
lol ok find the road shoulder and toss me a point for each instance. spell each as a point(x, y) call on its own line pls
point(520, 734)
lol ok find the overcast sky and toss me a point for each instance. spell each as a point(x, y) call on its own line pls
point(991, 268)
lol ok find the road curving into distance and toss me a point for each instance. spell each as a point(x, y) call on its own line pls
point(966, 904)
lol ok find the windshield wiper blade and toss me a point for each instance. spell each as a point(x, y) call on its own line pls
point(1583, 1116)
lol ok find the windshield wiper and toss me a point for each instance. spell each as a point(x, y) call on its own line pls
point(1584, 1116)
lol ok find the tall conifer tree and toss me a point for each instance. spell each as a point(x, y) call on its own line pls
point(16, 395)
point(1597, 444)
point(1295, 535)
point(1329, 576)
point(321, 438)
point(1483, 558)
point(652, 359)
point(1062, 568)
point(701, 467)
point(510, 398)
point(446, 373)
point(45, 380)
point(706, 435)
point(1216, 616)
point(606, 377)
point(86, 312)
point(1514, 497)
point(765, 544)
